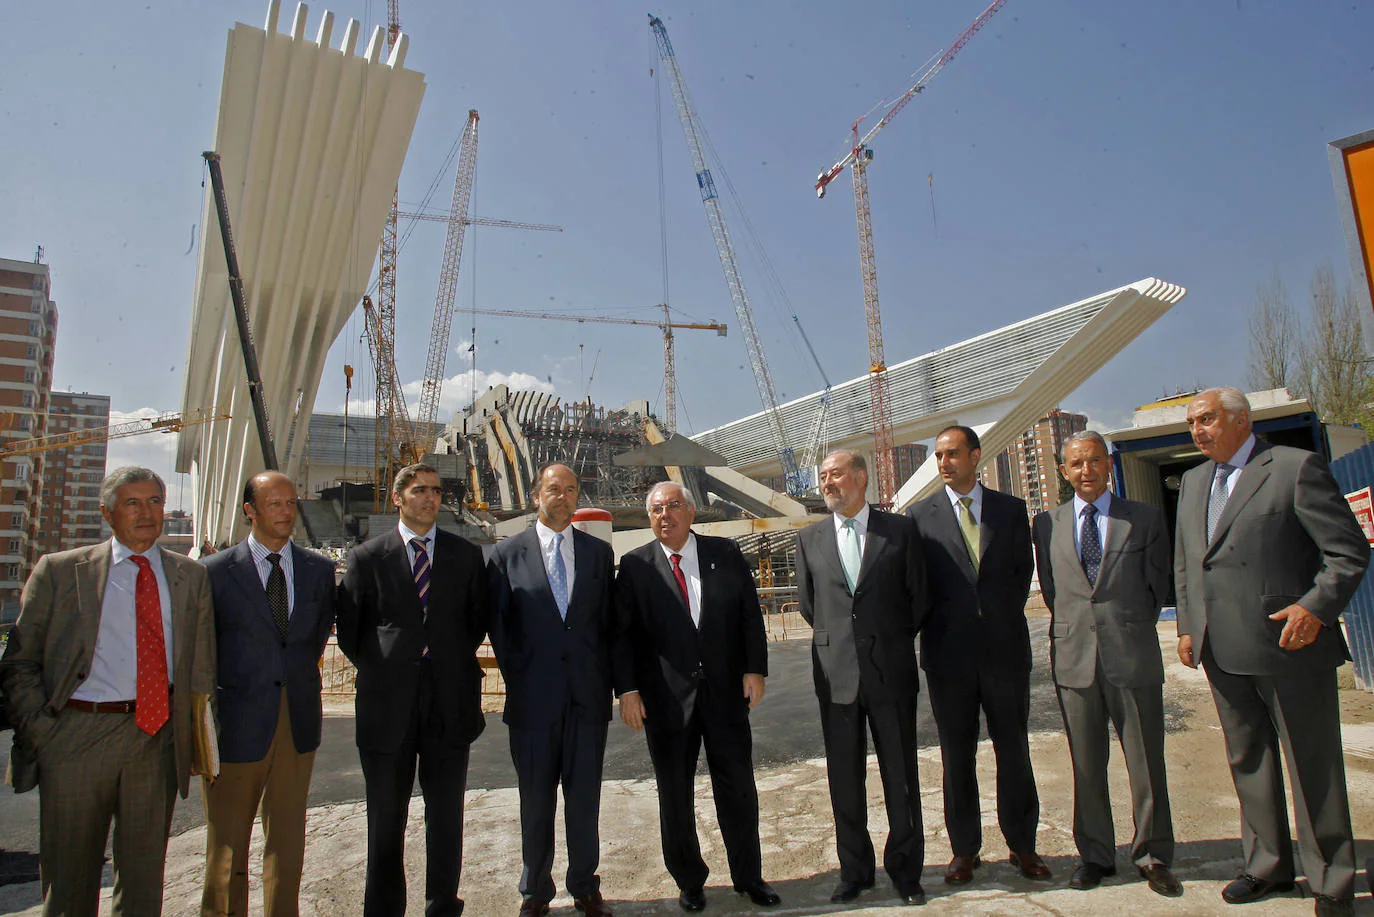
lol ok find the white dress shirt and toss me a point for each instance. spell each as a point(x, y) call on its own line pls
point(260, 552)
point(976, 507)
point(860, 527)
point(1237, 462)
point(426, 538)
point(690, 564)
point(114, 666)
point(1103, 503)
point(546, 549)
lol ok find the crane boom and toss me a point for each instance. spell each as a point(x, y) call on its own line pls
point(857, 160)
point(168, 422)
point(666, 326)
point(435, 363)
point(763, 378)
point(475, 221)
point(829, 175)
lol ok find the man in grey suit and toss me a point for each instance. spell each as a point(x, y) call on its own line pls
point(113, 642)
point(1104, 573)
point(274, 609)
point(861, 586)
point(1267, 555)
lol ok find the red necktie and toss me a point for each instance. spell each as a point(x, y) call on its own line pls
point(681, 581)
point(150, 702)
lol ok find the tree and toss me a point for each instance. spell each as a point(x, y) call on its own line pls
point(1332, 369)
point(1274, 340)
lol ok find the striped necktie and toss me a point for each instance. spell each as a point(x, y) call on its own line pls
point(421, 572)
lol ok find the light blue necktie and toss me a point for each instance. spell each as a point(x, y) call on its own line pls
point(558, 577)
point(850, 558)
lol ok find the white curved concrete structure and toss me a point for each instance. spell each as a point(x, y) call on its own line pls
point(999, 383)
point(311, 139)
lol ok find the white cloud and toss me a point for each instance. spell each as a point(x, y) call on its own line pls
point(457, 391)
point(156, 450)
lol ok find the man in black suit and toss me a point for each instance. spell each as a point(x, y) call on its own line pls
point(701, 658)
point(861, 586)
point(976, 651)
point(412, 612)
point(562, 649)
point(274, 609)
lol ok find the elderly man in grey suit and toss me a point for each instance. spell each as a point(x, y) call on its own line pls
point(112, 643)
point(861, 585)
point(1104, 573)
point(1267, 555)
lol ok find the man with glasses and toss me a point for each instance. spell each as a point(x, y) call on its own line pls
point(701, 658)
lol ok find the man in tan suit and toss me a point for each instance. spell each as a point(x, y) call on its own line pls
point(113, 641)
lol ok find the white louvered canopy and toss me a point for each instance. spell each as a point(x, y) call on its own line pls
point(311, 137)
point(1009, 376)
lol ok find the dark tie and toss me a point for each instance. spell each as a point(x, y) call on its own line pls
point(1216, 501)
point(150, 699)
point(681, 581)
point(1091, 544)
point(276, 594)
point(421, 571)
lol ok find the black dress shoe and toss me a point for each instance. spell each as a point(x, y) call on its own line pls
point(1334, 907)
point(1161, 880)
point(1090, 875)
point(533, 907)
point(692, 899)
point(913, 897)
point(849, 891)
point(759, 892)
point(1246, 888)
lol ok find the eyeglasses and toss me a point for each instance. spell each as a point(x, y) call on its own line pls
point(658, 509)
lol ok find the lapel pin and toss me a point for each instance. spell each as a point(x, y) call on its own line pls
point(713, 565)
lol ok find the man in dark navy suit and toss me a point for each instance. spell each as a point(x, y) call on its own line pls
point(412, 612)
point(274, 607)
point(701, 658)
point(562, 649)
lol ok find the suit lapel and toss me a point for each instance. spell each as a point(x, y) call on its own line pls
point(1254, 474)
point(987, 526)
point(829, 549)
point(532, 554)
point(1063, 541)
point(1118, 530)
point(245, 574)
point(178, 591)
point(91, 576)
point(664, 567)
point(874, 542)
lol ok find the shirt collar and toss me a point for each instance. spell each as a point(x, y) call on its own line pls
point(546, 534)
point(1103, 503)
point(688, 552)
point(121, 552)
point(407, 533)
point(1243, 453)
point(976, 493)
point(860, 519)
point(258, 549)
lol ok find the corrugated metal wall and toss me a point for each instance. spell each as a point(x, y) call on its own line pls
point(1353, 472)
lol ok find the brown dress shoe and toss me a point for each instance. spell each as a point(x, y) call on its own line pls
point(1161, 880)
point(533, 907)
point(592, 905)
point(960, 870)
point(1030, 865)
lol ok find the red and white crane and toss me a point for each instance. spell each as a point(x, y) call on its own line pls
point(856, 160)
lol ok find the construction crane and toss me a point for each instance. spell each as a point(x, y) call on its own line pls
point(666, 326)
point(169, 422)
point(857, 159)
point(815, 440)
point(763, 379)
point(435, 217)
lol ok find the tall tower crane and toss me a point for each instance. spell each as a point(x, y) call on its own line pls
point(666, 326)
point(394, 434)
point(763, 379)
point(433, 383)
point(857, 160)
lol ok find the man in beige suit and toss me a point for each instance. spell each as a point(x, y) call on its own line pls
point(113, 640)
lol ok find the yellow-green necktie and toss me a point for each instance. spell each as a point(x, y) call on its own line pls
point(969, 527)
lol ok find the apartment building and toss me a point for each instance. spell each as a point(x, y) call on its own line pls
point(1028, 468)
point(71, 476)
point(28, 331)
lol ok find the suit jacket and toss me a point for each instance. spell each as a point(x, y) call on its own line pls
point(671, 655)
point(51, 647)
point(868, 637)
point(384, 630)
point(1112, 621)
point(256, 663)
point(978, 615)
point(1287, 535)
point(547, 661)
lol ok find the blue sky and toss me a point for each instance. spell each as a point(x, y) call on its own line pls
point(1074, 147)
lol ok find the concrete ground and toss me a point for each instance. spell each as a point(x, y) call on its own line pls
point(797, 832)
